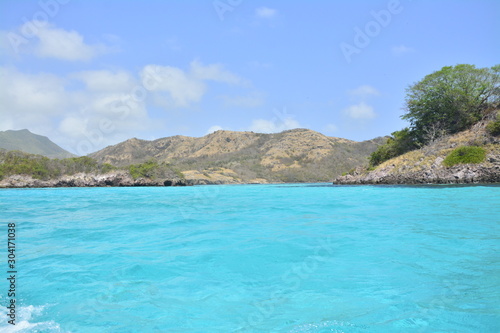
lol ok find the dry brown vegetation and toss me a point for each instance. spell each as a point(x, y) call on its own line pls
point(298, 155)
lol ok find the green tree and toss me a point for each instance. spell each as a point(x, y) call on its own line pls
point(399, 143)
point(444, 102)
point(450, 100)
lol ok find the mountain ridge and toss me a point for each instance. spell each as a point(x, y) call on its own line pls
point(222, 157)
point(297, 154)
point(28, 142)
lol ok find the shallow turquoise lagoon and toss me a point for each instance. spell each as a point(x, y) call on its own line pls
point(254, 258)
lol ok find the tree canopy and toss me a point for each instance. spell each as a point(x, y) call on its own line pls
point(445, 102)
point(450, 100)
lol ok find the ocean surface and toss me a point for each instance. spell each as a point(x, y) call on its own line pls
point(254, 258)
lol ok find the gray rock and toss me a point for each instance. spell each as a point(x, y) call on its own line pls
point(116, 178)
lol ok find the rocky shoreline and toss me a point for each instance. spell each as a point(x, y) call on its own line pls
point(113, 179)
point(425, 165)
point(463, 174)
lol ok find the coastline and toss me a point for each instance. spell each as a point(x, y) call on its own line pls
point(114, 179)
point(123, 179)
point(456, 175)
point(427, 164)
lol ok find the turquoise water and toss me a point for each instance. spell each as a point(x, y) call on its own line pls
point(255, 258)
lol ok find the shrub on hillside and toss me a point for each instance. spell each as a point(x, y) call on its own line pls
point(152, 170)
point(465, 155)
point(40, 167)
point(493, 127)
point(15, 162)
point(145, 170)
point(399, 143)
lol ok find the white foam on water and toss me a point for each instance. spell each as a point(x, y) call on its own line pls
point(332, 326)
point(25, 321)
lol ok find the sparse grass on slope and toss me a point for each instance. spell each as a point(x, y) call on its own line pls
point(292, 156)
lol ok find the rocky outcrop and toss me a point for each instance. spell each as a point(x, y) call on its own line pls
point(119, 178)
point(459, 174)
point(425, 166)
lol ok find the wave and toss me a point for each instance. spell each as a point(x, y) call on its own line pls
point(26, 321)
point(332, 326)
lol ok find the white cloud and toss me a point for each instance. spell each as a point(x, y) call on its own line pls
point(177, 88)
point(400, 50)
point(274, 125)
point(23, 93)
point(109, 107)
point(72, 126)
point(331, 128)
point(360, 111)
point(182, 89)
point(260, 65)
point(252, 100)
point(92, 129)
point(102, 119)
point(32, 101)
point(65, 45)
point(104, 80)
point(265, 12)
point(173, 44)
point(364, 91)
point(8, 44)
point(47, 41)
point(214, 72)
point(82, 120)
point(213, 129)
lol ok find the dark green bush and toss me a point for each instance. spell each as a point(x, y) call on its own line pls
point(106, 167)
point(153, 170)
point(178, 173)
point(399, 143)
point(465, 155)
point(145, 170)
point(494, 128)
point(24, 164)
point(40, 167)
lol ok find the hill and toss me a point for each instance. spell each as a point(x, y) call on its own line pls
point(453, 132)
point(24, 140)
point(222, 157)
point(18, 169)
point(448, 160)
point(298, 155)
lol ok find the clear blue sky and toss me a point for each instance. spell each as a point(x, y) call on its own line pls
point(88, 74)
